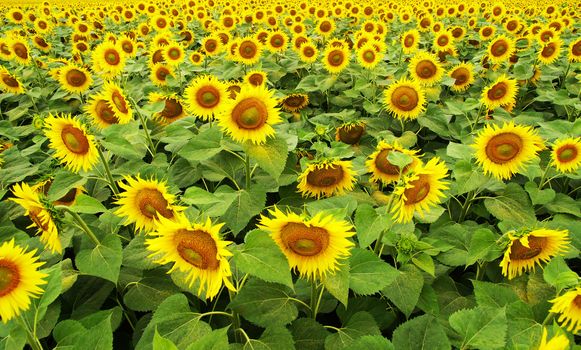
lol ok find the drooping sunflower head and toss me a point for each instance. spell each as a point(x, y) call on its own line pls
point(10, 83)
point(295, 102)
point(426, 69)
point(382, 170)
point(350, 132)
point(326, 178)
point(117, 102)
point(172, 111)
point(73, 146)
point(501, 93)
point(568, 307)
point(315, 246)
point(256, 77)
point(206, 96)
point(550, 51)
point(566, 154)
point(463, 75)
point(20, 279)
point(504, 151)
point(528, 249)
point(75, 79)
point(500, 49)
point(336, 59)
point(405, 99)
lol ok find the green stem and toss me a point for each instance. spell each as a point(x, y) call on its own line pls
point(565, 76)
point(378, 247)
point(143, 123)
point(548, 319)
point(316, 295)
point(543, 177)
point(248, 173)
point(480, 271)
point(466, 206)
point(81, 223)
point(209, 313)
point(108, 172)
point(235, 320)
point(32, 340)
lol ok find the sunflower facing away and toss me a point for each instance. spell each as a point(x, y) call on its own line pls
point(405, 99)
point(525, 251)
point(30, 200)
point(295, 102)
point(195, 249)
point(504, 151)
point(205, 96)
point(568, 306)
point(326, 178)
point(566, 154)
point(557, 342)
point(315, 246)
point(382, 170)
point(502, 93)
point(350, 132)
point(144, 201)
point(73, 146)
point(20, 279)
point(420, 190)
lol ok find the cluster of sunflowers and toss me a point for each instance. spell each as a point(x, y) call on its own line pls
point(383, 131)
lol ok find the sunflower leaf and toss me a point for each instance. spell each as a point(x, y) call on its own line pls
point(308, 334)
point(404, 291)
point(558, 274)
point(273, 338)
point(102, 261)
point(270, 156)
point(423, 332)
point(63, 182)
point(87, 205)
point(368, 273)
point(215, 340)
point(244, 207)
point(161, 343)
point(338, 283)
point(358, 325)
point(482, 327)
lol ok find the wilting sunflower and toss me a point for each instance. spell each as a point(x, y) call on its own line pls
point(144, 201)
point(335, 59)
point(195, 249)
point(501, 93)
point(426, 69)
point(550, 51)
point(159, 73)
point(420, 190)
point(575, 51)
point(463, 75)
point(75, 79)
point(173, 110)
point(569, 308)
point(41, 217)
point(118, 102)
point(504, 151)
point(326, 178)
point(405, 99)
point(528, 249)
point(205, 96)
point(382, 170)
point(557, 342)
point(255, 77)
point(350, 132)
point(109, 59)
point(368, 57)
point(315, 246)
point(566, 154)
point(20, 278)
point(410, 41)
point(9, 82)
point(500, 49)
point(251, 115)
point(73, 146)
point(295, 102)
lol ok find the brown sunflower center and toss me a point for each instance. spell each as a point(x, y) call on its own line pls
point(157, 56)
point(426, 69)
point(577, 301)
point(119, 102)
point(409, 40)
point(576, 49)
point(304, 240)
point(161, 23)
point(17, 16)
point(294, 101)
point(384, 165)
point(497, 91)
point(443, 40)
point(20, 50)
point(504, 147)
point(256, 79)
point(351, 135)
point(461, 75)
point(34, 214)
point(208, 96)
point(10, 81)
point(75, 140)
point(161, 73)
point(76, 77)
point(40, 42)
point(197, 248)
point(499, 48)
point(151, 202)
point(405, 98)
point(276, 41)
point(325, 26)
point(112, 57)
point(9, 277)
point(127, 47)
point(420, 189)
point(250, 113)
point(174, 53)
point(326, 177)
point(519, 252)
point(548, 50)
point(172, 109)
point(369, 56)
point(308, 51)
point(567, 153)
point(211, 45)
point(105, 112)
point(248, 49)
point(487, 32)
point(336, 58)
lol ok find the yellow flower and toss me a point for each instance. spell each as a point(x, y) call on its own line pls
point(566, 154)
point(500, 49)
point(426, 69)
point(205, 96)
point(295, 102)
point(382, 170)
point(308, 52)
point(248, 51)
point(368, 57)
point(558, 342)
point(173, 53)
point(20, 280)
point(9, 82)
point(326, 178)
point(172, 111)
point(256, 77)
point(335, 59)
point(100, 111)
point(277, 41)
point(109, 59)
point(568, 306)
point(405, 99)
point(315, 246)
point(550, 51)
point(117, 101)
point(75, 79)
point(501, 93)
point(410, 41)
point(575, 51)
point(195, 249)
point(463, 74)
point(350, 132)
point(443, 41)
point(159, 73)
point(20, 50)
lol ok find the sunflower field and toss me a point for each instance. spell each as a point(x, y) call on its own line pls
point(267, 174)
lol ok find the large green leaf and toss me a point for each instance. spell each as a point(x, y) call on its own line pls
point(358, 325)
point(404, 291)
point(308, 334)
point(203, 146)
point(423, 332)
point(369, 274)
point(244, 207)
point(102, 261)
point(270, 156)
point(481, 328)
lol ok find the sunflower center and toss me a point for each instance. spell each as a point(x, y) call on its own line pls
point(105, 113)
point(486, 31)
point(198, 248)
point(304, 240)
point(75, 140)
point(497, 91)
point(325, 26)
point(426, 69)
point(461, 76)
point(326, 177)
point(369, 56)
point(172, 109)
point(119, 102)
point(576, 50)
point(294, 101)
point(112, 57)
point(503, 147)
point(162, 73)
point(548, 51)
point(20, 50)
point(211, 45)
point(256, 79)
point(577, 301)
point(499, 48)
point(76, 77)
point(151, 202)
point(443, 41)
point(409, 41)
point(10, 81)
point(419, 191)
point(157, 57)
point(384, 165)
point(174, 53)
point(9, 277)
point(127, 47)
point(40, 42)
point(248, 49)
point(250, 113)
point(17, 16)
point(351, 135)
point(567, 153)
point(519, 252)
point(208, 96)
point(336, 58)
point(309, 52)
point(405, 98)
point(34, 214)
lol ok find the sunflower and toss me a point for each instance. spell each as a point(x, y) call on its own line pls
point(350, 132)
point(75, 79)
point(527, 249)
point(382, 170)
point(326, 178)
point(144, 201)
point(173, 53)
point(504, 151)
point(405, 99)
point(9, 82)
point(255, 77)
point(487, 32)
point(308, 52)
point(39, 42)
point(500, 49)
point(313, 246)
point(501, 93)
point(277, 41)
point(426, 69)
point(410, 41)
point(73, 146)
point(20, 50)
point(566, 154)
point(172, 111)
point(128, 45)
point(100, 111)
point(570, 309)
point(550, 51)
point(212, 45)
point(159, 73)
point(575, 51)
point(197, 58)
point(109, 59)
point(20, 279)
point(463, 75)
point(335, 59)
point(40, 215)
point(250, 116)
point(557, 342)
point(248, 51)
point(118, 102)
point(443, 41)
point(419, 190)
point(368, 57)
point(5, 52)
point(205, 96)
point(295, 102)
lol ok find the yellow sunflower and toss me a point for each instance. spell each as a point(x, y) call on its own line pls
point(159, 73)
point(443, 42)
point(20, 50)
point(197, 58)
point(205, 96)
point(173, 53)
point(20, 279)
point(109, 59)
point(118, 102)
point(463, 75)
point(405, 99)
point(248, 51)
point(410, 41)
point(557, 342)
point(566, 154)
point(426, 69)
point(315, 247)
point(251, 115)
point(382, 170)
point(487, 32)
point(128, 45)
point(41, 217)
point(500, 49)
point(551, 51)
point(326, 178)
point(350, 132)
point(9, 82)
point(255, 77)
point(569, 308)
point(277, 41)
point(528, 249)
point(501, 93)
point(308, 52)
point(73, 146)
point(504, 151)
point(335, 58)
point(574, 51)
point(75, 79)
point(195, 249)
point(368, 57)
point(100, 111)
point(173, 110)
point(295, 102)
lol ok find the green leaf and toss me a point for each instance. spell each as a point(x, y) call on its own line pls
point(539, 197)
point(161, 343)
point(359, 325)
point(136, 255)
point(372, 342)
point(338, 206)
point(102, 261)
point(423, 332)
point(125, 140)
point(215, 340)
point(469, 178)
point(399, 159)
point(559, 275)
point(405, 290)
point(198, 197)
point(564, 204)
point(63, 182)
point(270, 156)
point(493, 294)
point(482, 327)
point(149, 292)
point(513, 205)
point(368, 273)
point(203, 146)
point(245, 206)
point(523, 329)
point(273, 338)
point(308, 334)
point(368, 224)
point(459, 151)
point(424, 262)
point(483, 246)
point(265, 304)
point(261, 257)
point(87, 205)
point(338, 283)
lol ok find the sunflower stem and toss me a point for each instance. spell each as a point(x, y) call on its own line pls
point(543, 177)
point(316, 296)
point(235, 320)
point(378, 247)
point(480, 271)
point(248, 173)
point(144, 124)
point(81, 223)
point(108, 172)
point(466, 206)
point(565, 76)
point(548, 319)
point(32, 340)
